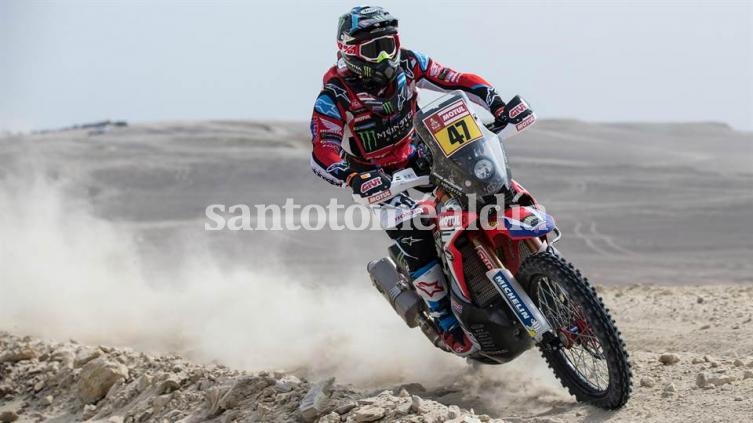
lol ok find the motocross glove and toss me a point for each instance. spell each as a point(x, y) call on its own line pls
point(501, 119)
point(516, 111)
point(368, 184)
point(420, 157)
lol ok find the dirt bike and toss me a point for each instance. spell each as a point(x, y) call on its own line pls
point(510, 288)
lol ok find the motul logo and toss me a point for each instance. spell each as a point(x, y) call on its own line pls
point(379, 197)
point(454, 112)
point(449, 221)
point(527, 122)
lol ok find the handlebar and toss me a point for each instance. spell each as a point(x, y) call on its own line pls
point(492, 126)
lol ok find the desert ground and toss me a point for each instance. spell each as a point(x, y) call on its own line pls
point(117, 305)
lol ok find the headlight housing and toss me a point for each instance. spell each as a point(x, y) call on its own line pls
point(483, 169)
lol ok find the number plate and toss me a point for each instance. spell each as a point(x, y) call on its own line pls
point(453, 127)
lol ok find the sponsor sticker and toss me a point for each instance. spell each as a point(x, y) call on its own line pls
point(526, 123)
point(404, 215)
point(520, 309)
point(371, 184)
point(453, 127)
point(348, 49)
point(520, 108)
point(449, 222)
point(433, 123)
point(329, 127)
point(485, 257)
point(434, 69)
point(380, 196)
point(361, 118)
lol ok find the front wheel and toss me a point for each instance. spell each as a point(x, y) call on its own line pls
point(589, 357)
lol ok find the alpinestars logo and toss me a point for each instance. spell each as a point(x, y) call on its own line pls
point(338, 92)
point(409, 241)
point(430, 289)
point(407, 66)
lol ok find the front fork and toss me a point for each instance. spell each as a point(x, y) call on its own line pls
point(537, 326)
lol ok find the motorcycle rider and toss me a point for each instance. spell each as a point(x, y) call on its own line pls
point(362, 129)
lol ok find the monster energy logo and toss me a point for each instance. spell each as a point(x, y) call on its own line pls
point(387, 107)
point(368, 138)
point(366, 71)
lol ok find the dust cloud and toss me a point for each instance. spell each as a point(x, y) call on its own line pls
point(67, 273)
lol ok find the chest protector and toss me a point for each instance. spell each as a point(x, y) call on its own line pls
point(379, 130)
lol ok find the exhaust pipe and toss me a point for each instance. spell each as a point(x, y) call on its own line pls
point(395, 289)
point(405, 301)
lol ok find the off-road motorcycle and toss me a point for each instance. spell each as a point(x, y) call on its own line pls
point(510, 288)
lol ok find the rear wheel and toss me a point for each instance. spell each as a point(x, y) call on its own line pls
point(589, 358)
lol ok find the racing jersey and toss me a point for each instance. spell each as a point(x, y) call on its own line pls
point(353, 130)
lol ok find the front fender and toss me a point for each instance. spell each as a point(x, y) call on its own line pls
point(523, 222)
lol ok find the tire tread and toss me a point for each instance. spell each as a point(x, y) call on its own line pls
point(618, 360)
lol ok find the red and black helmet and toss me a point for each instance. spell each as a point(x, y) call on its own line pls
point(368, 43)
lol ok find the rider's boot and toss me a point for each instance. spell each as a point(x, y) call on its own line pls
point(430, 283)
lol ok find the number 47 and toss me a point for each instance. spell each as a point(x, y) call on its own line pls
point(454, 134)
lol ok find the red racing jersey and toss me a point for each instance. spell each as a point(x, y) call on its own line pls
point(353, 130)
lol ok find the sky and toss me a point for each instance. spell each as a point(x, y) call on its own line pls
point(66, 62)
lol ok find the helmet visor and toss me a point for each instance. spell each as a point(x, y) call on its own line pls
point(379, 49)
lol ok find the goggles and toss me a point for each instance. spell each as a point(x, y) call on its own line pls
point(374, 50)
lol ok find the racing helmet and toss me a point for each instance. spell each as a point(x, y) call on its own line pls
point(368, 44)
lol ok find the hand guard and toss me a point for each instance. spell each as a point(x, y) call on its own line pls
point(515, 111)
point(369, 184)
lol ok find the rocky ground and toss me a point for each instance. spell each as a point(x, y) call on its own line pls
point(71, 382)
point(692, 354)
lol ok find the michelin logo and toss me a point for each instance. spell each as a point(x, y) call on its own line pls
point(518, 305)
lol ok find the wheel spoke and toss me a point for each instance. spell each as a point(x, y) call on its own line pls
point(584, 353)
